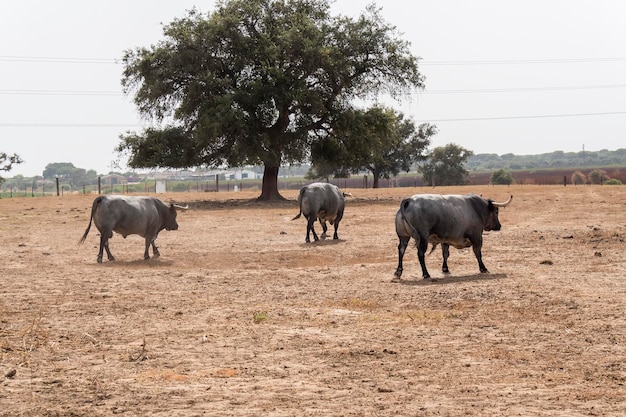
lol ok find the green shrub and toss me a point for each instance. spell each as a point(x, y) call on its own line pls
point(501, 177)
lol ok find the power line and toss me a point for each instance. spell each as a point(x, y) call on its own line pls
point(70, 125)
point(74, 60)
point(468, 119)
point(523, 89)
point(426, 92)
point(525, 61)
point(544, 116)
point(59, 60)
point(60, 93)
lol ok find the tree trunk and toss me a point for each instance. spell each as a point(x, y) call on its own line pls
point(376, 179)
point(269, 189)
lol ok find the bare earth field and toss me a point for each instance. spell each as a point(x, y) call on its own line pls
point(240, 317)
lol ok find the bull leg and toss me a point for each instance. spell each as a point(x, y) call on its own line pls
point(404, 241)
point(335, 235)
point(104, 245)
point(479, 257)
point(445, 251)
point(103, 242)
point(146, 255)
point(155, 250)
point(310, 228)
point(324, 228)
point(421, 252)
point(149, 242)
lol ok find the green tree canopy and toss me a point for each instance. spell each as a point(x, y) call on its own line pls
point(7, 161)
point(60, 169)
point(67, 172)
point(378, 140)
point(501, 177)
point(257, 82)
point(446, 166)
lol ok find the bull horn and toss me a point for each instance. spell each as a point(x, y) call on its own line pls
point(506, 203)
point(185, 207)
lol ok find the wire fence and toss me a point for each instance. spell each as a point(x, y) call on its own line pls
point(193, 186)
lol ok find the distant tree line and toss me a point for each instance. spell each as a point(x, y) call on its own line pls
point(556, 159)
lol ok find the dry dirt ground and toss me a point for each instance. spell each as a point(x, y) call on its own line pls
point(240, 317)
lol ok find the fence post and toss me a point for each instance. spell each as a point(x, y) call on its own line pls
point(57, 180)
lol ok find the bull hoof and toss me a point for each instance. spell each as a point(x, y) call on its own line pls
point(445, 270)
point(99, 260)
point(426, 277)
point(398, 273)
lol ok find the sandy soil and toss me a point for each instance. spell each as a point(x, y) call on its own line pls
point(240, 317)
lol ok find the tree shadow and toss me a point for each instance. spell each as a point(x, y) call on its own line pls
point(449, 279)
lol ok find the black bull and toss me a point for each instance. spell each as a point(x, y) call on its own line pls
point(457, 220)
point(322, 201)
point(128, 215)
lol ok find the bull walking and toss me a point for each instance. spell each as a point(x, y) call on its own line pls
point(126, 215)
point(322, 201)
point(457, 220)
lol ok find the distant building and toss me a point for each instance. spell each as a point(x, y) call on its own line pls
point(241, 174)
point(113, 179)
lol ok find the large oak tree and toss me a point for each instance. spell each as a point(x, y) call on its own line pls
point(446, 165)
point(379, 140)
point(257, 82)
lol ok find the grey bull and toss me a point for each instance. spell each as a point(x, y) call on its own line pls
point(322, 201)
point(457, 220)
point(130, 215)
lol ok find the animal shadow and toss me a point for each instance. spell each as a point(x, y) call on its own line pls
point(448, 279)
point(138, 263)
point(323, 242)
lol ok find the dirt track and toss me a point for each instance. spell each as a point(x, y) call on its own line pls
point(240, 317)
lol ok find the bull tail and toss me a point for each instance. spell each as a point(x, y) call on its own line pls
point(403, 206)
point(94, 207)
point(302, 190)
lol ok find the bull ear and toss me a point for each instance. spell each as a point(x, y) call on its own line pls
point(506, 203)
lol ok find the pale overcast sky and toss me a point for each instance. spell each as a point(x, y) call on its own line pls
point(501, 76)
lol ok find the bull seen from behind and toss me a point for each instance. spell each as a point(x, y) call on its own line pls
point(322, 201)
point(131, 215)
point(457, 220)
